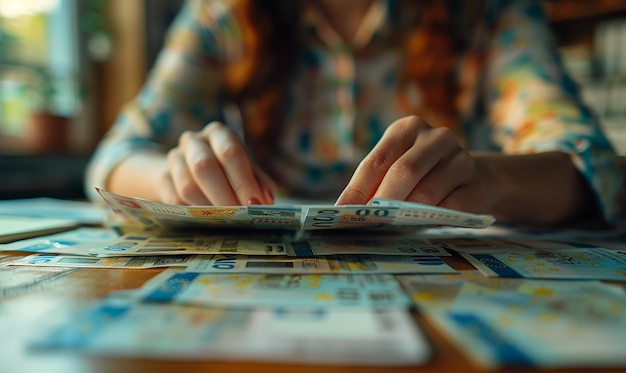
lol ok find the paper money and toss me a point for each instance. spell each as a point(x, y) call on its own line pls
point(412, 213)
point(527, 259)
point(74, 242)
point(502, 321)
point(138, 244)
point(269, 243)
point(607, 238)
point(309, 336)
point(135, 262)
point(341, 217)
point(264, 290)
point(340, 264)
point(388, 213)
point(18, 280)
point(154, 216)
point(378, 245)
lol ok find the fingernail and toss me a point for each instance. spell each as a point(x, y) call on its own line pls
point(270, 195)
point(253, 201)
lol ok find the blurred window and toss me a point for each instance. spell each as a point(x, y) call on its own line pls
point(39, 64)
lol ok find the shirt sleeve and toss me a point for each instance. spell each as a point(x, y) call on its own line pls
point(535, 106)
point(181, 93)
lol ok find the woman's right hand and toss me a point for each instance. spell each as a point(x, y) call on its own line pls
point(213, 167)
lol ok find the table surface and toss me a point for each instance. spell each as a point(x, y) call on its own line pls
point(30, 304)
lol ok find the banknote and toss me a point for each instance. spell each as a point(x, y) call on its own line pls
point(5, 258)
point(338, 264)
point(303, 336)
point(75, 261)
point(387, 213)
point(521, 322)
point(379, 245)
point(16, 280)
point(155, 216)
point(269, 243)
point(276, 290)
point(74, 242)
point(412, 213)
point(607, 238)
point(177, 243)
point(555, 260)
point(339, 217)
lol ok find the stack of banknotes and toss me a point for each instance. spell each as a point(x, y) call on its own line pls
point(382, 213)
point(337, 285)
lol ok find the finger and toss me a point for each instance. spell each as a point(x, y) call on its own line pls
point(396, 140)
point(167, 192)
point(445, 177)
point(267, 184)
point(233, 157)
point(184, 184)
point(206, 171)
point(431, 148)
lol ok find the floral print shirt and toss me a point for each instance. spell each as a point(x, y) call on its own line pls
point(340, 102)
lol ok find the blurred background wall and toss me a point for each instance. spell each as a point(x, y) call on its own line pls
point(67, 67)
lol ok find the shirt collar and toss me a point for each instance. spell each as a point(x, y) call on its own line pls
point(373, 23)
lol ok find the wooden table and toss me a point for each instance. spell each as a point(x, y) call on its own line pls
point(28, 308)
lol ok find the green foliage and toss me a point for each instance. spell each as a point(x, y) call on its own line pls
point(41, 89)
point(40, 84)
point(39, 81)
point(7, 43)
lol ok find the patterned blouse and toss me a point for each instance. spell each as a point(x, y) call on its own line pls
point(340, 102)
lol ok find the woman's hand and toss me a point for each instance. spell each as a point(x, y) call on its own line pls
point(416, 162)
point(212, 167)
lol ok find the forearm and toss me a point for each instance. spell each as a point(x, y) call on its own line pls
point(138, 175)
point(542, 188)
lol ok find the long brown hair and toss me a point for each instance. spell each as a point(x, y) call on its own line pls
point(429, 58)
point(271, 46)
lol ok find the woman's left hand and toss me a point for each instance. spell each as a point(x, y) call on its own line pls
point(416, 162)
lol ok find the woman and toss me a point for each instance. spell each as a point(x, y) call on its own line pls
point(459, 104)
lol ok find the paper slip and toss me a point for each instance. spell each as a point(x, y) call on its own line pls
point(158, 243)
point(17, 280)
point(340, 264)
point(550, 324)
point(518, 232)
point(316, 336)
point(134, 262)
point(53, 208)
point(74, 242)
point(13, 228)
point(411, 213)
point(155, 216)
point(373, 246)
point(264, 290)
point(185, 243)
point(555, 260)
point(4, 258)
